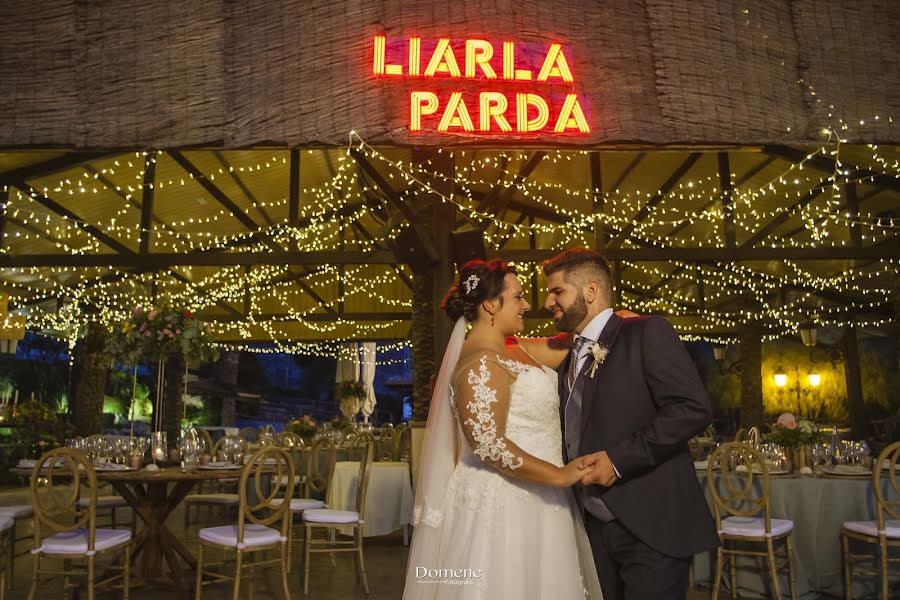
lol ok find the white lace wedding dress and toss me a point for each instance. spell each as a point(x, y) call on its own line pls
point(526, 540)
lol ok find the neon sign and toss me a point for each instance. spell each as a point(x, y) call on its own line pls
point(522, 108)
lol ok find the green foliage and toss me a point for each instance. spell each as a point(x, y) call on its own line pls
point(350, 389)
point(115, 406)
point(36, 428)
point(208, 411)
point(160, 334)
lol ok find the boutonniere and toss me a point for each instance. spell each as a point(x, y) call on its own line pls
point(599, 352)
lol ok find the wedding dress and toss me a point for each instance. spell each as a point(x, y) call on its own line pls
point(491, 536)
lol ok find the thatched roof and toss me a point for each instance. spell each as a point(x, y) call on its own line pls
point(133, 74)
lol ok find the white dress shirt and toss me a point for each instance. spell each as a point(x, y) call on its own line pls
point(592, 331)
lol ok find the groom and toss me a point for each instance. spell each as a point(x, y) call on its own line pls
point(631, 400)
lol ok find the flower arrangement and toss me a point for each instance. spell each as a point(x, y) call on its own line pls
point(790, 432)
point(36, 428)
point(305, 426)
point(341, 423)
point(160, 334)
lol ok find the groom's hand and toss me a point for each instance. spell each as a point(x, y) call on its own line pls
point(603, 472)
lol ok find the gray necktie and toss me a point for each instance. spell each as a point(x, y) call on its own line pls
point(573, 365)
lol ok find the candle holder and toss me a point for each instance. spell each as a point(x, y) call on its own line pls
point(159, 447)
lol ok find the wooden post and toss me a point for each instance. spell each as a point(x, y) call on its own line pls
point(751, 377)
point(601, 234)
point(89, 374)
point(859, 423)
point(294, 191)
point(147, 203)
point(4, 201)
point(727, 188)
point(421, 335)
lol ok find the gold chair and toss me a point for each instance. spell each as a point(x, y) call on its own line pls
point(206, 442)
point(294, 444)
point(250, 435)
point(319, 470)
point(69, 475)
point(18, 513)
point(220, 499)
point(261, 526)
point(357, 445)
point(740, 466)
point(331, 520)
point(881, 533)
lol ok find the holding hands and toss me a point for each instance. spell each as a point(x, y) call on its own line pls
point(598, 468)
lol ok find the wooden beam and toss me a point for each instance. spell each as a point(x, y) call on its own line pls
point(315, 317)
point(161, 260)
point(294, 189)
point(222, 198)
point(627, 171)
point(147, 203)
point(743, 179)
point(49, 167)
point(851, 200)
point(726, 190)
point(658, 197)
point(786, 215)
point(830, 166)
point(424, 236)
point(243, 187)
point(68, 214)
point(4, 202)
point(496, 192)
point(601, 233)
point(112, 187)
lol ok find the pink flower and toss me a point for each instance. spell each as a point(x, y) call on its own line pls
point(786, 421)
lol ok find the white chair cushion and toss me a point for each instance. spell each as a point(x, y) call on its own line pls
point(325, 515)
point(105, 502)
point(6, 523)
point(300, 504)
point(213, 499)
point(254, 535)
point(754, 527)
point(17, 511)
point(76, 541)
point(870, 528)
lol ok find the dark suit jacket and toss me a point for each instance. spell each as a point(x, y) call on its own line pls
point(642, 406)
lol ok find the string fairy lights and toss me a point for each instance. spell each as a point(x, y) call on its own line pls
point(346, 210)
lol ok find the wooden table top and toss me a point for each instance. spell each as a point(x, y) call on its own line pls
point(164, 474)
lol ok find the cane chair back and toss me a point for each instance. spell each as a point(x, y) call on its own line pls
point(740, 467)
point(403, 443)
point(268, 464)
point(206, 441)
point(70, 477)
point(250, 435)
point(875, 541)
point(357, 445)
point(320, 466)
point(362, 480)
point(387, 440)
point(888, 497)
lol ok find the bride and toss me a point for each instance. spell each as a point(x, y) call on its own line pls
point(495, 515)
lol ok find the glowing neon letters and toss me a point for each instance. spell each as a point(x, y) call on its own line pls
point(515, 111)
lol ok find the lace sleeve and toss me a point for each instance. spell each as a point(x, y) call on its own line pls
point(482, 404)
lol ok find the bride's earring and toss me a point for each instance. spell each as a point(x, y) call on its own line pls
point(492, 320)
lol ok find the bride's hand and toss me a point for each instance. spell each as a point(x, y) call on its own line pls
point(572, 473)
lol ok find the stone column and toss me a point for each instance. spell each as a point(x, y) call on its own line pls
point(751, 377)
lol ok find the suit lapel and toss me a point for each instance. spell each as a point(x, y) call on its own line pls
point(607, 338)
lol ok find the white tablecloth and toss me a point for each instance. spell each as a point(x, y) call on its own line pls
point(389, 499)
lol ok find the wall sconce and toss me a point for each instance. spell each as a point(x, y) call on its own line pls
point(808, 334)
point(780, 377)
point(719, 355)
point(815, 379)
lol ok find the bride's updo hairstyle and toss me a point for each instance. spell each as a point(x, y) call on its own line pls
point(478, 281)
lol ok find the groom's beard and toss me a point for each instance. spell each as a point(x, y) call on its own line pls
point(573, 315)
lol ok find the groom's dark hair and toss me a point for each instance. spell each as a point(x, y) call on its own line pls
point(579, 263)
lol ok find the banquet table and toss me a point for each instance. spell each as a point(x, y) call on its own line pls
point(817, 506)
point(389, 499)
point(154, 495)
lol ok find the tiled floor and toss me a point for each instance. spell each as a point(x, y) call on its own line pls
point(385, 564)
